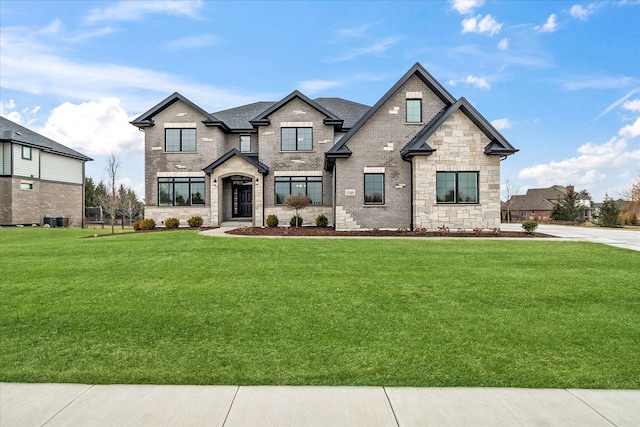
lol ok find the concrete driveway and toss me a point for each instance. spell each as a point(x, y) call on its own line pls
point(620, 238)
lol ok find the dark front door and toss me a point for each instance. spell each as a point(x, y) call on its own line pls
point(242, 201)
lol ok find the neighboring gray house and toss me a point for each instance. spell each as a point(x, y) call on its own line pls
point(38, 177)
point(418, 158)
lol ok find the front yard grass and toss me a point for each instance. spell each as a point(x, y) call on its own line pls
point(179, 308)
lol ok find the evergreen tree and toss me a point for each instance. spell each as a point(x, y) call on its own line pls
point(90, 198)
point(608, 216)
point(568, 208)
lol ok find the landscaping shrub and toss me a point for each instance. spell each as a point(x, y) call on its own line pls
point(195, 221)
point(144, 224)
point(172, 222)
point(296, 221)
point(322, 221)
point(529, 226)
point(272, 221)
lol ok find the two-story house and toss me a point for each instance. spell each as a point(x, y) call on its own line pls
point(418, 158)
point(39, 178)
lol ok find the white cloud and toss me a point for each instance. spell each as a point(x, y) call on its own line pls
point(550, 26)
point(596, 82)
point(195, 42)
point(23, 117)
point(356, 32)
point(471, 80)
point(95, 127)
point(617, 103)
point(313, 86)
point(501, 124)
point(377, 47)
point(465, 6)
point(631, 131)
point(20, 49)
point(588, 167)
point(579, 12)
point(480, 25)
point(633, 105)
point(136, 10)
point(503, 44)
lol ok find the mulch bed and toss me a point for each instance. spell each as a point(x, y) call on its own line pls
point(328, 231)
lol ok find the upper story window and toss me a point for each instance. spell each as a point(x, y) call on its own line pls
point(457, 187)
point(309, 185)
point(180, 140)
point(245, 143)
point(373, 188)
point(181, 191)
point(26, 152)
point(296, 139)
point(414, 111)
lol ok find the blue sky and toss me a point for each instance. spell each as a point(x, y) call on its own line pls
point(561, 80)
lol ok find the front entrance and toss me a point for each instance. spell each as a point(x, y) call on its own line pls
point(242, 200)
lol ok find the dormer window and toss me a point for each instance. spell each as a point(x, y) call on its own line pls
point(296, 139)
point(180, 140)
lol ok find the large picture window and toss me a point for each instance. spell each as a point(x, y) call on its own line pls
point(181, 191)
point(309, 185)
point(296, 139)
point(373, 188)
point(180, 140)
point(457, 187)
point(414, 110)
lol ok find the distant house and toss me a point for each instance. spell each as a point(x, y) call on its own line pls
point(38, 177)
point(538, 204)
point(418, 158)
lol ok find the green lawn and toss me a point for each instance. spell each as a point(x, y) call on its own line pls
point(180, 308)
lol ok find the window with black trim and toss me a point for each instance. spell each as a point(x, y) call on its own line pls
point(26, 152)
point(296, 139)
point(181, 191)
point(373, 188)
point(414, 110)
point(245, 143)
point(180, 140)
point(457, 187)
point(309, 185)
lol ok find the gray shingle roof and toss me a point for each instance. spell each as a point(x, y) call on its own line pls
point(13, 132)
point(348, 111)
point(238, 118)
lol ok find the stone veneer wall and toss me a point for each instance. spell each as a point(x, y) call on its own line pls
point(160, 213)
point(459, 147)
point(308, 214)
point(234, 166)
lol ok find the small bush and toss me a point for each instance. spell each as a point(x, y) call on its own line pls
point(144, 224)
point(172, 223)
point(272, 221)
point(322, 221)
point(296, 221)
point(195, 221)
point(529, 226)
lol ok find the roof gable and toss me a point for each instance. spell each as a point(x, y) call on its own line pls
point(262, 168)
point(498, 145)
point(262, 119)
point(13, 132)
point(146, 119)
point(417, 70)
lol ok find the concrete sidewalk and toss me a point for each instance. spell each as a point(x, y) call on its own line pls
point(158, 405)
